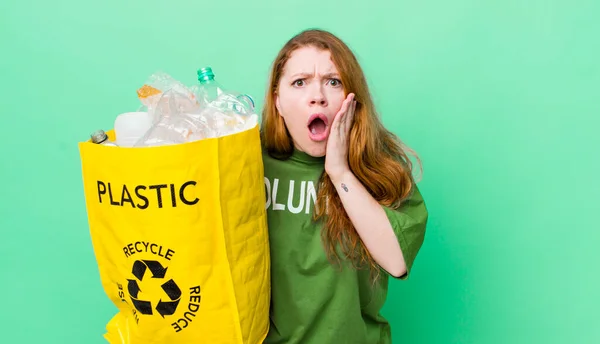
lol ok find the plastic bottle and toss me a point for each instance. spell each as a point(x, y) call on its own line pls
point(100, 137)
point(222, 111)
point(210, 90)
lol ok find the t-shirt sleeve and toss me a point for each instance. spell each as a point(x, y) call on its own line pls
point(408, 222)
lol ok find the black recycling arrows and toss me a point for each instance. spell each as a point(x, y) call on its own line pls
point(140, 266)
point(170, 288)
point(144, 307)
point(168, 307)
point(133, 288)
point(156, 268)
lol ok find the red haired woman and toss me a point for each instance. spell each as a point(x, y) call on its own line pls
point(343, 209)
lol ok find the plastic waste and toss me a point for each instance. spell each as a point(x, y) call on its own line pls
point(227, 115)
point(130, 127)
point(209, 90)
point(173, 124)
point(172, 113)
point(154, 88)
point(206, 110)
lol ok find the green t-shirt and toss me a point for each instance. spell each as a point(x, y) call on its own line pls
point(313, 301)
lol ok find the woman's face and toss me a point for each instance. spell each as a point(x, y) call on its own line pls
point(309, 95)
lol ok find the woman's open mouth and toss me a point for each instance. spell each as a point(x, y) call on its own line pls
point(317, 127)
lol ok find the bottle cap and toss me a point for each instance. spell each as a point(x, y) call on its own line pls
point(205, 74)
point(99, 136)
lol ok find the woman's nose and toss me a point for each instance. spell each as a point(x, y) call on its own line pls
point(318, 98)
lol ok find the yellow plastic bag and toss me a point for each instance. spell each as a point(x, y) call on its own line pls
point(180, 237)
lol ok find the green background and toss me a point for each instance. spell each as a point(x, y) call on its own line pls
point(499, 98)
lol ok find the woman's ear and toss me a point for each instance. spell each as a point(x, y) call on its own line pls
point(278, 105)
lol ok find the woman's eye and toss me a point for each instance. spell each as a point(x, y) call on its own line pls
point(335, 82)
point(298, 82)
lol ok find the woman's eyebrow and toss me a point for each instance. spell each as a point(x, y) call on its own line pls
point(307, 75)
point(331, 75)
point(302, 74)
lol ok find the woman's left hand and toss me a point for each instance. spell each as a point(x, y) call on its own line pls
point(336, 156)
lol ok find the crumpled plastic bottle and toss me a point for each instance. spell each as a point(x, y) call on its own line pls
point(226, 115)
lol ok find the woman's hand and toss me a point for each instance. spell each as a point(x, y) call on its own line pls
point(336, 155)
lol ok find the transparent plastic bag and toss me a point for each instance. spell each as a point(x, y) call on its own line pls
point(155, 87)
point(173, 123)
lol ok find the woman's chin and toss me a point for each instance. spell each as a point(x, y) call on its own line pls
point(314, 149)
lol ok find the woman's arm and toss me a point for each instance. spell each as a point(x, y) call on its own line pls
point(371, 223)
point(392, 237)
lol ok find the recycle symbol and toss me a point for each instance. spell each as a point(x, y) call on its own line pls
point(170, 288)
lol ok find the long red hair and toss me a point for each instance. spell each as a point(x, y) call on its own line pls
point(375, 155)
